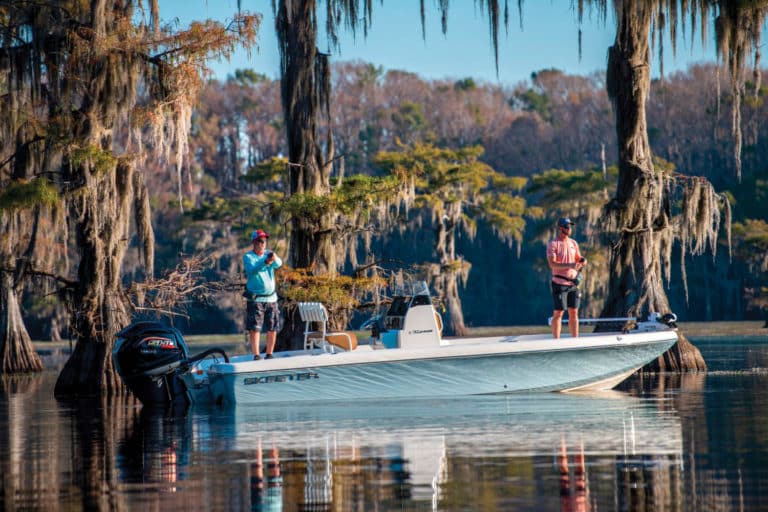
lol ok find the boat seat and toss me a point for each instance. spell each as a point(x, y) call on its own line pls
point(315, 312)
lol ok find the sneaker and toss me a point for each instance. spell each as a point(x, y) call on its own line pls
point(268, 356)
point(256, 357)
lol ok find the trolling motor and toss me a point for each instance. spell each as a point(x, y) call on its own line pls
point(150, 356)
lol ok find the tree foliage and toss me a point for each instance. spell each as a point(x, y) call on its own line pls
point(93, 90)
point(455, 190)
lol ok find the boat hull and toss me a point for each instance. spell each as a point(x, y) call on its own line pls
point(480, 366)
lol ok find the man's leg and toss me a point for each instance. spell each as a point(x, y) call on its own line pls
point(573, 301)
point(271, 324)
point(253, 322)
point(254, 336)
point(271, 339)
point(573, 322)
point(559, 307)
point(557, 320)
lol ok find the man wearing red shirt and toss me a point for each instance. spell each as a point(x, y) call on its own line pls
point(566, 261)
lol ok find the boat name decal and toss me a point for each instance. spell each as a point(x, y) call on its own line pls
point(422, 331)
point(283, 377)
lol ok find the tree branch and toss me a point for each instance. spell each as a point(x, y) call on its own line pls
point(41, 273)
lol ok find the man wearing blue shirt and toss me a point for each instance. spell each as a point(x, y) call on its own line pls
point(260, 265)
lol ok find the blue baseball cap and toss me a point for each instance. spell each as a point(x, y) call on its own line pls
point(259, 233)
point(564, 222)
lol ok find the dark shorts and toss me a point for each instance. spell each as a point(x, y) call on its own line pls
point(262, 313)
point(565, 295)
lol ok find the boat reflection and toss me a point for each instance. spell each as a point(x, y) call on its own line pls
point(413, 450)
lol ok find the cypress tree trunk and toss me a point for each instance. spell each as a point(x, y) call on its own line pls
point(101, 308)
point(640, 208)
point(305, 87)
point(17, 355)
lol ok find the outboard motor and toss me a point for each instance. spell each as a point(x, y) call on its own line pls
point(149, 356)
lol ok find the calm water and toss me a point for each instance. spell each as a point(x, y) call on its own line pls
point(696, 442)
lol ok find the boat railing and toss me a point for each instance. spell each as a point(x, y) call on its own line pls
point(655, 321)
point(621, 320)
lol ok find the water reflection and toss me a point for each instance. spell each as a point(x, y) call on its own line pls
point(574, 490)
point(441, 454)
point(667, 443)
point(155, 450)
point(426, 450)
point(266, 488)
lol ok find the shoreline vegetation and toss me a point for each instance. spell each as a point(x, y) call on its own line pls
point(691, 329)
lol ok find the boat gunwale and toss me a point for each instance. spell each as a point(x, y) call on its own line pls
point(464, 350)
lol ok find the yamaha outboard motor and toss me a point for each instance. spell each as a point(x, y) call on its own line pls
point(148, 355)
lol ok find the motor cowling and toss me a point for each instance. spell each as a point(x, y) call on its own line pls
point(148, 356)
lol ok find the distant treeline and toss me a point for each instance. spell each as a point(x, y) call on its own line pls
point(552, 122)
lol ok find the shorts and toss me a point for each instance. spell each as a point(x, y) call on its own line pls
point(563, 294)
point(262, 313)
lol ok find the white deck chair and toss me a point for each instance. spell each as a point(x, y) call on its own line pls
point(316, 312)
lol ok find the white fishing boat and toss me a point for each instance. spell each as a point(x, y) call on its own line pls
point(410, 360)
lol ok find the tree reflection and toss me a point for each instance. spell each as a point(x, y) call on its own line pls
point(98, 425)
point(20, 475)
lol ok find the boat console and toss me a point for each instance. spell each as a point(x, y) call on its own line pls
point(412, 322)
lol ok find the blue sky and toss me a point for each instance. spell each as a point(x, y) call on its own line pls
point(548, 39)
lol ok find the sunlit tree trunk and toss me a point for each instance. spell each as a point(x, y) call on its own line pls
point(450, 272)
point(640, 208)
point(17, 355)
point(18, 228)
point(100, 210)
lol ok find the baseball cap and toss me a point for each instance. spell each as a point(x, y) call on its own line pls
point(259, 233)
point(565, 222)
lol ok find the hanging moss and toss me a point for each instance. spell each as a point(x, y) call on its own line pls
point(22, 194)
point(361, 193)
point(100, 160)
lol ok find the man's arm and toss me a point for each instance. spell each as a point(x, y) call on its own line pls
point(554, 265)
point(275, 262)
point(581, 261)
point(252, 264)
